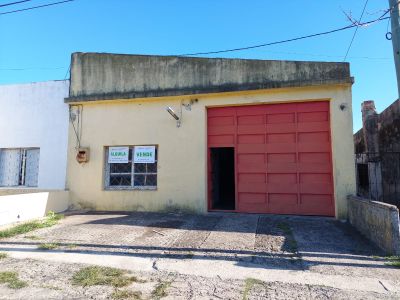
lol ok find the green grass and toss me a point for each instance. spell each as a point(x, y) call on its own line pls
point(32, 237)
point(3, 255)
point(71, 246)
point(48, 246)
point(12, 280)
point(393, 261)
point(249, 283)
point(189, 255)
point(125, 294)
point(290, 240)
point(284, 227)
point(160, 290)
point(96, 275)
point(50, 220)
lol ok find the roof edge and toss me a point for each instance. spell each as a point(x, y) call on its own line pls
point(208, 90)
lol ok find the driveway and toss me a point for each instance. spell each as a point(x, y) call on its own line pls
point(211, 256)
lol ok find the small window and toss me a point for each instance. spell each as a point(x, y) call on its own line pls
point(131, 167)
point(19, 167)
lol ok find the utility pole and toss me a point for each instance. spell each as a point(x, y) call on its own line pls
point(395, 36)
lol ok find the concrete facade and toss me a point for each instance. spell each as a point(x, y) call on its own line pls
point(138, 117)
point(104, 76)
point(378, 221)
point(34, 115)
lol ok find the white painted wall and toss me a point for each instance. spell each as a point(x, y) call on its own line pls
point(35, 115)
point(27, 206)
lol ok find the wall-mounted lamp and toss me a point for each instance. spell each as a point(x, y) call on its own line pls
point(174, 115)
point(187, 106)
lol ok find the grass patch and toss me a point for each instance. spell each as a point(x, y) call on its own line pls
point(50, 220)
point(12, 280)
point(160, 290)
point(284, 227)
point(48, 246)
point(393, 261)
point(32, 237)
point(190, 254)
point(291, 243)
point(249, 283)
point(376, 257)
point(3, 255)
point(125, 294)
point(71, 246)
point(96, 275)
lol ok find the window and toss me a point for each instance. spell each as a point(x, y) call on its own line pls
point(131, 167)
point(19, 167)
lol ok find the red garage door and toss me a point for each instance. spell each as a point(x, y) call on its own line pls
point(280, 156)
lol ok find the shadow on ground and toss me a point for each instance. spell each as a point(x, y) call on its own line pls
point(265, 241)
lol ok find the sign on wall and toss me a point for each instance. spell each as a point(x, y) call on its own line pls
point(144, 154)
point(118, 155)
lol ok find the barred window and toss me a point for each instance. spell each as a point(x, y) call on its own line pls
point(129, 169)
point(19, 167)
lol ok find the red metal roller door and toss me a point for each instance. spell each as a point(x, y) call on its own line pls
point(282, 156)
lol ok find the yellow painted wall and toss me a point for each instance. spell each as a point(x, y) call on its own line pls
point(182, 161)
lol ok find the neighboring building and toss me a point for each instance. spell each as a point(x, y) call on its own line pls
point(251, 136)
point(377, 147)
point(33, 135)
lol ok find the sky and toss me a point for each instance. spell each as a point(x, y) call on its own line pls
point(36, 45)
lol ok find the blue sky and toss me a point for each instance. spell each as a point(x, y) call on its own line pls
point(39, 42)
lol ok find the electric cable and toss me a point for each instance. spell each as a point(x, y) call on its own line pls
point(355, 31)
point(381, 18)
point(35, 7)
point(13, 3)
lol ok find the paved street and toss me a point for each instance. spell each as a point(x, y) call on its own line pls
point(306, 254)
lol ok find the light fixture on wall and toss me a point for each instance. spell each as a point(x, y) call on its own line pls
point(174, 115)
point(178, 117)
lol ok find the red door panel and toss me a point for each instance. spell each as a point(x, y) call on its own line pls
point(283, 159)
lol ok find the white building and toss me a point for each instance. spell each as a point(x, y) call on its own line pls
point(33, 135)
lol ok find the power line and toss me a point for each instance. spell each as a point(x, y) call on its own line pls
point(355, 31)
point(12, 3)
point(34, 7)
point(381, 18)
point(331, 56)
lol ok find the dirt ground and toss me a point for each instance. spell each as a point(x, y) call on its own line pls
point(217, 256)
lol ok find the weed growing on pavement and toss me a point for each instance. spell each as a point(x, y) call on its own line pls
point(96, 275)
point(125, 294)
point(32, 237)
point(190, 254)
point(249, 283)
point(48, 246)
point(291, 242)
point(160, 290)
point(71, 246)
point(50, 220)
point(3, 255)
point(12, 280)
point(393, 261)
point(284, 227)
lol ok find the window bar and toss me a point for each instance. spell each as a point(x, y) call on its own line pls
point(23, 166)
point(132, 167)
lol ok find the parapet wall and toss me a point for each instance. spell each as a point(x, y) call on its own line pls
point(378, 221)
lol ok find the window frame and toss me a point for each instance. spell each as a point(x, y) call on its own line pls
point(107, 171)
point(22, 172)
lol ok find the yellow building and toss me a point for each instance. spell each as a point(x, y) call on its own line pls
point(162, 133)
